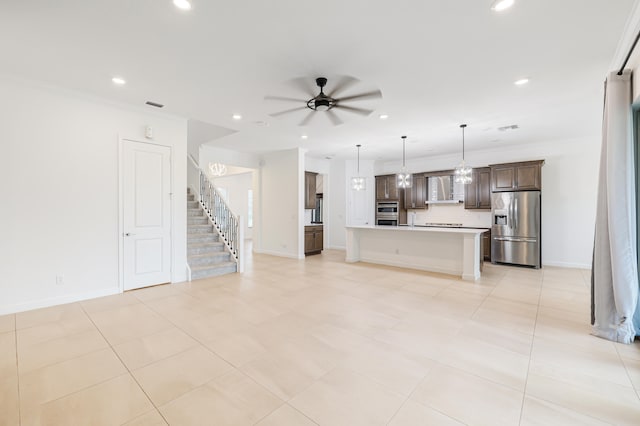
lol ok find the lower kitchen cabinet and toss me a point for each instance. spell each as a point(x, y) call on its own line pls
point(313, 239)
point(486, 246)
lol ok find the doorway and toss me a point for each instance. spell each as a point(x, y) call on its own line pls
point(146, 214)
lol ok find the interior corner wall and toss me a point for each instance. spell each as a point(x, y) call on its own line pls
point(237, 189)
point(281, 208)
point(59, 183)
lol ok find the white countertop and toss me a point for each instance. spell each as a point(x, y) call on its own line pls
point(422, 229)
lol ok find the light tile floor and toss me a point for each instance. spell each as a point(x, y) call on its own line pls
point(323, 342)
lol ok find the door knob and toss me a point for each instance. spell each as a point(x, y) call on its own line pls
point(128, 234)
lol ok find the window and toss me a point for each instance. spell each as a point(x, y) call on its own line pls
point(250, 208)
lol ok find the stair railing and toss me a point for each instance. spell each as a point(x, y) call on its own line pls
point(229, 226)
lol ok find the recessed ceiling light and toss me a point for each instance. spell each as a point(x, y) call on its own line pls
point(119, 81)
point(500, 5)
point(384, 116)
point(521, 82)
point(304, 137)
point(236, 117)
point(182, 4)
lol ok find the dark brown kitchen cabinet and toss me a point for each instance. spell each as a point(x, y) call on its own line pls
point(486, 245)
point(313, 239)
point(524, 176)
point(477, 194)
point(415, 197)
point(310, 190)
point(386, 188)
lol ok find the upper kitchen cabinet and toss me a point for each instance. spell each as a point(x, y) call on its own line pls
point(524, 176)
point(477, 194)
point(386, 188)
point(415, 197)
point(310, 190)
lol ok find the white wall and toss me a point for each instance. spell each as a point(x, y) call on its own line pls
point(569, 190)
point(237, 187)
point(337, 211)
point(281, 204)
point(212, 154)
point(59, 184)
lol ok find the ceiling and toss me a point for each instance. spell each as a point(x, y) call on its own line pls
point(437, 63)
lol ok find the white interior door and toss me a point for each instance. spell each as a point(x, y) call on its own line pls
point(146, 212)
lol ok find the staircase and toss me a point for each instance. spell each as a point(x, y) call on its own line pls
point(206, 254)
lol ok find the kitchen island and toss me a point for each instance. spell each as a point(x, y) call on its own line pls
point(454, 251)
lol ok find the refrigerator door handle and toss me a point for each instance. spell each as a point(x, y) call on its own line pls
point(516, 239)
point(511, 213)
point(515, 213)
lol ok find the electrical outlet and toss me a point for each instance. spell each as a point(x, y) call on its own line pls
point(397, 251)
point(59, 280)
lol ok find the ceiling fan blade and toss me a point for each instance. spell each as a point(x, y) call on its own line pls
point(334, 118)
point(305, 85)
point(307, 119)
point(343, 83)
point(283, 98)
point(278, 114)
point(361, 111)
point(369, 95)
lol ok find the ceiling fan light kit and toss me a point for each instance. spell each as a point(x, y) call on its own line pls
point(329, 102)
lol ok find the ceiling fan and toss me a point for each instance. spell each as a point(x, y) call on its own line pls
point(326, 102)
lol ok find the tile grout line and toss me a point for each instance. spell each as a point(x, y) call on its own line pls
point(15, 336)
point(216, 354)
point(125, 366)
point(626, 370)
point(425, 405)
point(535, 325)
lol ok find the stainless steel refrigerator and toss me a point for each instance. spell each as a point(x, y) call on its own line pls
point(515, 228)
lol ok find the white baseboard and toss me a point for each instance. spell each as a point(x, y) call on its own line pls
point(278, 253)
point(567, 265)
point(343, 248)
point(58, 300)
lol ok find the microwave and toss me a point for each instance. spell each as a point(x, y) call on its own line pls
point(387, 208)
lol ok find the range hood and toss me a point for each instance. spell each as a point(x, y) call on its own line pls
point(443, 190)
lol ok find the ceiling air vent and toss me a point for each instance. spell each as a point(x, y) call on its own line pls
point(505, 128)
point(154, 104)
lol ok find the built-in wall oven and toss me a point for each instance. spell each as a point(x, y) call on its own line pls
point(387, 213)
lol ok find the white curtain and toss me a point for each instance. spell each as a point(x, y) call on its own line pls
point(614, 277)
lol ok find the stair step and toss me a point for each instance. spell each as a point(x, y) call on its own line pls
point(198, 272)
point(197, 220)
point(202, 238)
point(206, 247)
point(209, 258)
point(193, 204)
point(199, 229)
point(191, 197)
point(195, 212)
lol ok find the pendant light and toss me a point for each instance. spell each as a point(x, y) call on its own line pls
point(403, 179)
point(463, 171)
point(217, 169)
point(358, 183)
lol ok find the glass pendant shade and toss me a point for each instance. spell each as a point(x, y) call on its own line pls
point(358, 183)
point(403, 179)
point(463, 172)
point(217, 169)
